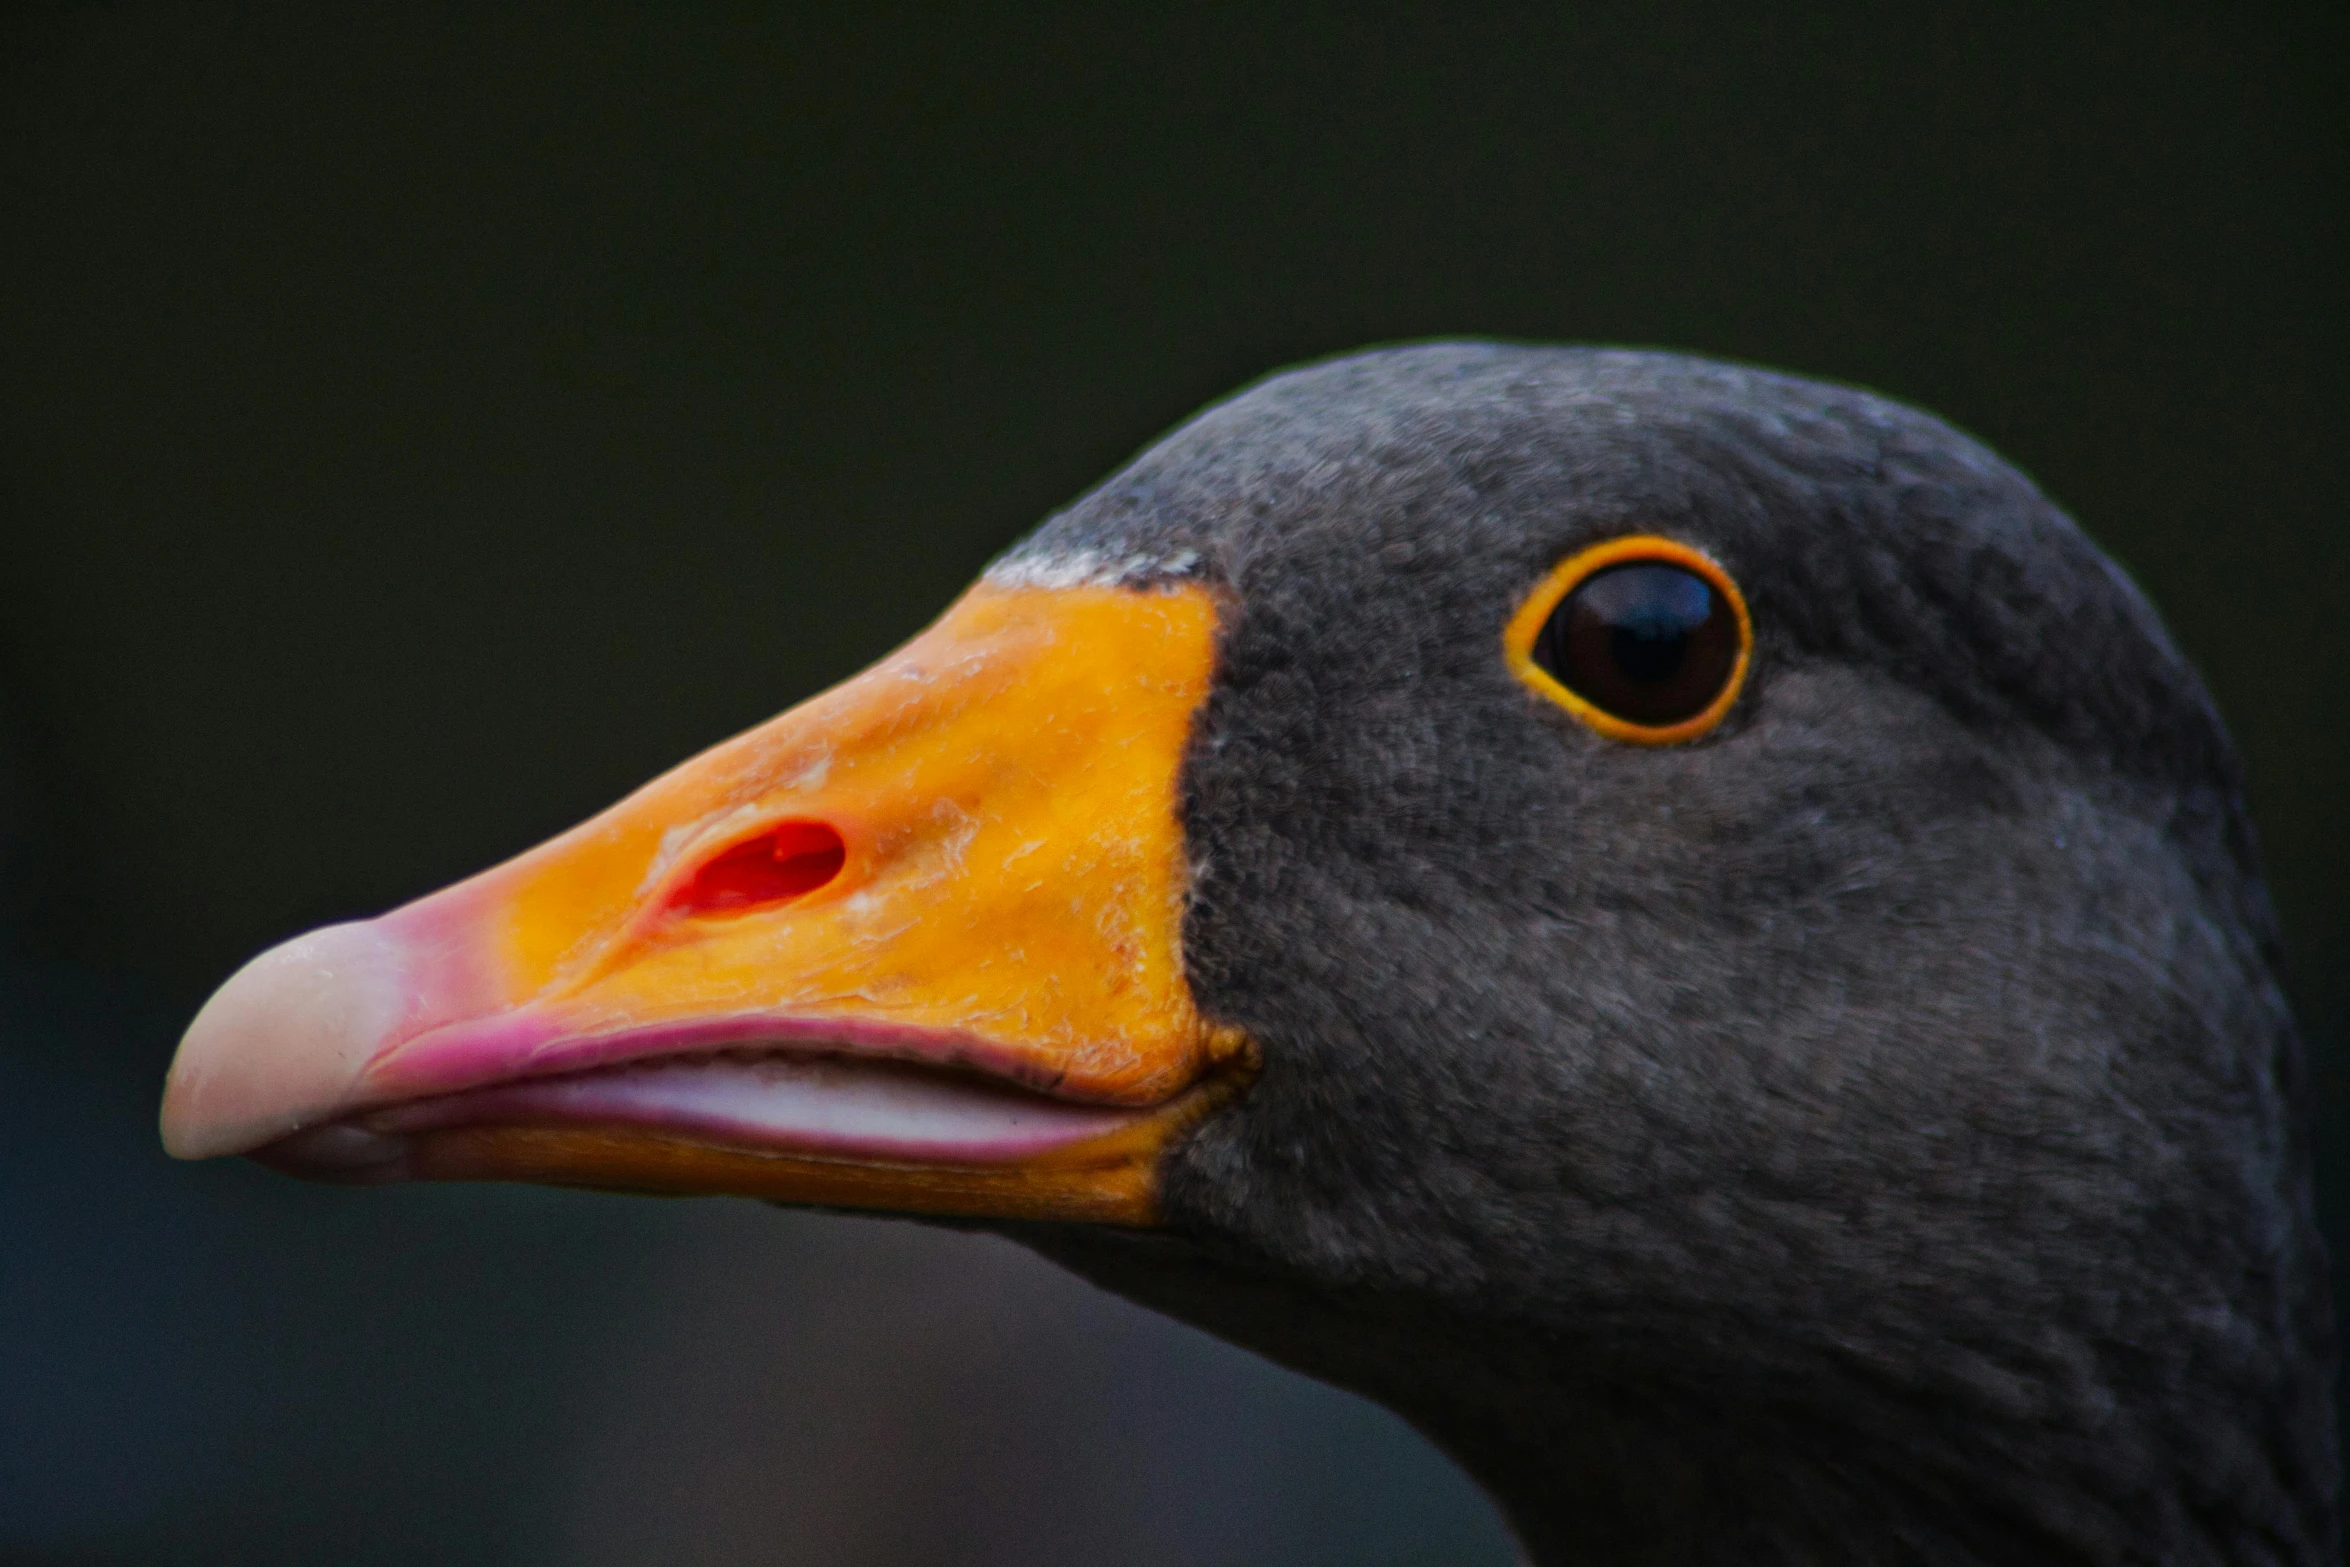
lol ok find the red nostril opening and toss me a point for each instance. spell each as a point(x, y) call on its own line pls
point(788, 861)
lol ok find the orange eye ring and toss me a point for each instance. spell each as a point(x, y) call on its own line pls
point(1525, 630)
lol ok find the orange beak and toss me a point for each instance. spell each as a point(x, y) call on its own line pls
point(913, 945)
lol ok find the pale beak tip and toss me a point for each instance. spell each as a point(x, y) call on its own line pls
point(283, 1043)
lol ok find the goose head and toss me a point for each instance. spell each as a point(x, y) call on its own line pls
point(1679, 926)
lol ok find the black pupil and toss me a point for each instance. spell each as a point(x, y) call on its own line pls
point(1647, 642)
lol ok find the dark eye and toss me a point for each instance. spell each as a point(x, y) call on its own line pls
point(1643, 639)
point(1650, 643)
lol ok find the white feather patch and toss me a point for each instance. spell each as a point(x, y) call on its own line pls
point(1087, 569)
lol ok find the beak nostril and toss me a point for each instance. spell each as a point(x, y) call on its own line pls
point(789, 860)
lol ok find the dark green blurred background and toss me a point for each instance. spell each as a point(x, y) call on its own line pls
point(419, 425)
